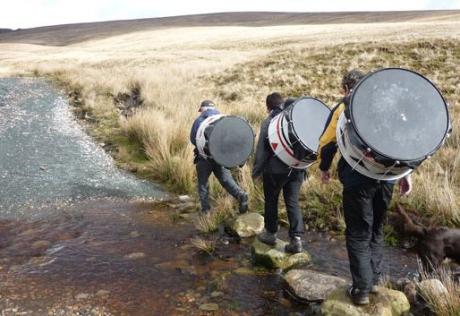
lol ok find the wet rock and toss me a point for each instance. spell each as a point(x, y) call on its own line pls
point(248, 225)
point(102, 293)
point(433, 287)
point(135, 255)
point(244, 271)
point(134, 234)
point(386, 303)
point(41, 244)
point(209, 307)
point(184, 198)
point(310, 285)
point(275, 257)
point(82, 296)
point(216, 294)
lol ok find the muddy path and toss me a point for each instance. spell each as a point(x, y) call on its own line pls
point(80, 237)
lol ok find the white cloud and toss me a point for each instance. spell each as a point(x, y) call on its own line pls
point(31, 13)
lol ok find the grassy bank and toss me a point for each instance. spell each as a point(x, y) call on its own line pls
point(169, 72)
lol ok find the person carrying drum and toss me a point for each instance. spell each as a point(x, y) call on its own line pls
point(365, 202)
point(204, 167)
point(278, 176)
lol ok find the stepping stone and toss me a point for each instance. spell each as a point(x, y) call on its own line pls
point(311, 286)
point(385, 303)
point(274, 257)
point(248, 225)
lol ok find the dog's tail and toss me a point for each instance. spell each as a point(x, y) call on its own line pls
point(409, 226)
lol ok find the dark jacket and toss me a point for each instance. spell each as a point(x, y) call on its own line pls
point(266, 161)
point(328, 148)
point(196, 124)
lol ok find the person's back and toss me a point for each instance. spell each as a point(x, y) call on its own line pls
point(278, 176)
point(206, 166)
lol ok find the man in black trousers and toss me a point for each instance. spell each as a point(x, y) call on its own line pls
point(278, 176)
point(365, 203)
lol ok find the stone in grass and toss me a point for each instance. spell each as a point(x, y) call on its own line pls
point(385, 303)
point(248, 225)
point(209, 307)
point(432, 287)
point(275, 257)
point(311, 286)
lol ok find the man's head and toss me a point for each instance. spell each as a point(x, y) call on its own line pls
point(350, 79)
point(206, 105)
point(274, 100)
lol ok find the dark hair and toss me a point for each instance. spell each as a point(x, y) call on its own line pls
point(273, 100)
point(351, 78)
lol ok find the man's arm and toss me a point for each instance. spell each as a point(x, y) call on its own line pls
point(194, 130)
point(328, 142)
point(262, 152)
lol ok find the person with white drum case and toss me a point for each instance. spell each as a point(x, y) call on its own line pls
point(206, 165)
point(365, 203)
point(278, 176)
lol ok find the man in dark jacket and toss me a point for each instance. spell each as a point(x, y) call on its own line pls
point(278, 176)
point(204, 167)
point(365, 202)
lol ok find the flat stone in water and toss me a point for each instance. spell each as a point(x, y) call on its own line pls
point(249, 224)
point(209, 307)
point(311, 285)
point(276, 257)
point(385, 303)
point(135, 255)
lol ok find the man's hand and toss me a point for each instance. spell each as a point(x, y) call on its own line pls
point(325, 177)
point(405, 185)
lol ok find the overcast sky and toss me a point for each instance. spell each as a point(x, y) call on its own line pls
point(32, 13)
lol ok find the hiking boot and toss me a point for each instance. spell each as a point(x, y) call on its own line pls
point(267, 238)
point(243, 203)
point(294, 246)
point(374, 289)
point(358, 297)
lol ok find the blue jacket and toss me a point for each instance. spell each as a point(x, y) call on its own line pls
point(204, 115)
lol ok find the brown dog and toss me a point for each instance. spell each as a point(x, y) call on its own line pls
point(434, 243)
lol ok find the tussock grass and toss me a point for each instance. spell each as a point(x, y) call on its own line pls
point(442, 304)
point(204, 245)
point(210, 223)
point(174, 69)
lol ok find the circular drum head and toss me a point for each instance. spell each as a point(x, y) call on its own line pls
point(399, 114)
point(231, 141)
point(308, 118)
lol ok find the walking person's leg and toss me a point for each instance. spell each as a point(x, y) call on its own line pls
point(358, 213)
point(203, 171)
point(272, 189)
point(226, 180)
point(381, 202)
point(291, 192)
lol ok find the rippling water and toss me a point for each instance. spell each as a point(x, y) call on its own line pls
point(45, 156)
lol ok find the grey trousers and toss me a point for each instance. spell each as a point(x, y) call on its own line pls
point(204, 168)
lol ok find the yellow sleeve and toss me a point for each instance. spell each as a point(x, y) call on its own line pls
point(329, 134)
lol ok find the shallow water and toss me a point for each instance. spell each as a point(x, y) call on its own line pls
point(46, 157)
point(80, 237)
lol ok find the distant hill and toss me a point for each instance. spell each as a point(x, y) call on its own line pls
point(5, 30)
point(61, 35)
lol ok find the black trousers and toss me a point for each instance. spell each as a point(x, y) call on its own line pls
point(204, 168)
point(290, 184)
point(365, 208)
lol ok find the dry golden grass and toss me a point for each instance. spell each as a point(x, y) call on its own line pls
point(442, 303)
point(237, 67)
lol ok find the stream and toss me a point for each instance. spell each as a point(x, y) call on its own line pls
point(78, 236)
